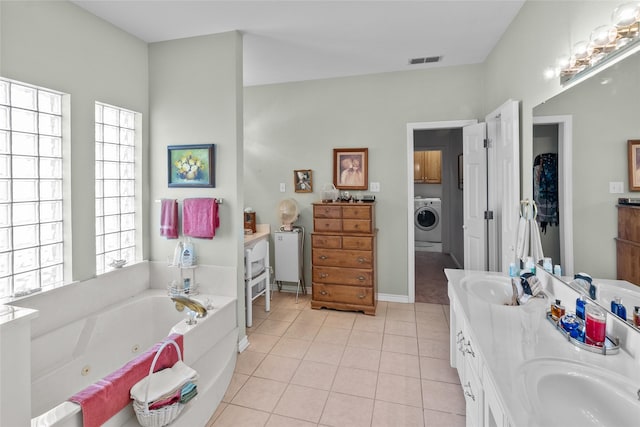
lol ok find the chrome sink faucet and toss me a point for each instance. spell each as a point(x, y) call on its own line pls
point(193, 305)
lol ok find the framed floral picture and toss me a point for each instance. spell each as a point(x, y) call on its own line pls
point(191, 165)
point(634, 164)
point(350, 168)
point(302, 181)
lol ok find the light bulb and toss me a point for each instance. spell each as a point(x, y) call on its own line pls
point(582, 50)
point(603, 35)
point(626, 14)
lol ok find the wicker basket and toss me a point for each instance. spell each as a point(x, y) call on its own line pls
point(329, 193)
point(161, 416)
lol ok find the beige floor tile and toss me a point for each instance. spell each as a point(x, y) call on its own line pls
point(284, 314)
point(438, 332)
point(431, 318)
point(217, 413)
point(363, 358)
point(443, 419)
point(381, 309)
point(447, 316)
point(237, 381)
point(315, 375)
point(280, 421)
point(291, 347)
point(234, 416)
point(396, 327)
point(259, 312)
point(400, 364)
point(369, 324)
point(424, 306)
point(356, 382)
point(273, 327)
point(400, 344)
point(387, 414)
point(400, 306)
point(259, 393)
point(303, 331)
point(314, 317)
point(277, 368)
point(248, 361)
point(302, 402)
point(437, 349)
point(331, 335)
point(343, 410)
point(438, 370)
point(443, 397)
point(324, 353)
point(262, 343)
point(340, 319)
point(399, 389)
point(401, 315)
point(364, 339)
point(257, 321)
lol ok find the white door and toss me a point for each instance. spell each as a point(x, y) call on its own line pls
point(474, 165)
point(503, 134)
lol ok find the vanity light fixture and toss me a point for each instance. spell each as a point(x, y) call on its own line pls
point(607, 44)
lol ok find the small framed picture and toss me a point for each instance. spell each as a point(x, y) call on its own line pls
point(302, 181)
point(350, 168)
point(191, 165)
point(634, 164)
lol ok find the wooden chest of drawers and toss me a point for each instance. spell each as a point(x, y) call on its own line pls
point(343, 247)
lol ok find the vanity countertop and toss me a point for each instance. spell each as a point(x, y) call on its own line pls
point(262, 232)
point(508, 337)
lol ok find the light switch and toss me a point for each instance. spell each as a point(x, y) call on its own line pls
point(616, 187)
point(374, 187)
point(283, 187)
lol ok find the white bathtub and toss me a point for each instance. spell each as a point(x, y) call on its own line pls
point(69, 358)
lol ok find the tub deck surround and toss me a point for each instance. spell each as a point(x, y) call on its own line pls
point(509, 338)
point(68, 359)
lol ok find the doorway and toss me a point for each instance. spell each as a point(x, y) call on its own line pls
point(427, 282)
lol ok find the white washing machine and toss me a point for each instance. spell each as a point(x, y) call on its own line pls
point(428, 224)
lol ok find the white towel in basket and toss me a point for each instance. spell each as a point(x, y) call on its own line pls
point(163, 382)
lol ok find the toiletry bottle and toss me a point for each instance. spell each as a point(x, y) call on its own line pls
point(557, 270)
point(513, 270)
point(530, 266)
point(615, 302)
point(636, 316)
point(547, 265)
point(187, 285)
point(580, 303)
point(188, 256)
point(177, 254)
point(557, 310)
point(621, 310)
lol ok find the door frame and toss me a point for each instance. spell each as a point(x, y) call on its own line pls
point(411, 127)
point(565, 186)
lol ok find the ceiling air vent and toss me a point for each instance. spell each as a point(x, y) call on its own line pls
point(425, 60)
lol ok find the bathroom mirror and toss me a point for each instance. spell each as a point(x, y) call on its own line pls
point(604, 115)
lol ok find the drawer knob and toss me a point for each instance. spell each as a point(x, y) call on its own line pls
point(324, 275)
point(324, 293)
point(361, 296)
point(323, 257)
point(361, 278)
point(361, 260)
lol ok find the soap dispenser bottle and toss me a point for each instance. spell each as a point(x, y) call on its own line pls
point(580, 303)
point(618, 309)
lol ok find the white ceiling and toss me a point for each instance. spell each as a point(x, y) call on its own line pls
point(304, 40)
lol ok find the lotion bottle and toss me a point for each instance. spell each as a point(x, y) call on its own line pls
point(188, 255)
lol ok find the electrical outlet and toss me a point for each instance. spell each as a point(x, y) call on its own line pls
point(283, 187)
point(616, 187)
point(374, 187)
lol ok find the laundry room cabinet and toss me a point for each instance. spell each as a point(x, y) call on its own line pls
point(427, 167)
point(343, 255)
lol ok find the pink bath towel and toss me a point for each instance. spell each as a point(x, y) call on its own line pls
point(169, 218)
point(200, 218)
point(105, 398)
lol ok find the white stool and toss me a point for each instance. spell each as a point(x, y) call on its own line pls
point(256, 277)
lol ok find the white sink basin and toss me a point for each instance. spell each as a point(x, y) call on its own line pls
point(492, 289)
point(566, 393)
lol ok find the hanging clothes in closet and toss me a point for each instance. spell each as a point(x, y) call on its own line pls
point(545, 189)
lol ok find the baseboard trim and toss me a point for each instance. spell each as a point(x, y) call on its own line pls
point(393, 298)
point(243, 344)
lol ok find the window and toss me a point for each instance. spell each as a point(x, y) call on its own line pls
point(31, 190)
point(115, 186)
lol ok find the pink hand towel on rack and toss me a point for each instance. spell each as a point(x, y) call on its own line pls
point(200, 217)
point(169, 218)
point(106, 397)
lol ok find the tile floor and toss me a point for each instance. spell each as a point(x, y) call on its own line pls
point(307, 367)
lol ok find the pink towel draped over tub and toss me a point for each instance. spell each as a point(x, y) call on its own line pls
point(105, 398)
point(169, 218)
point(200, 217)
